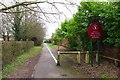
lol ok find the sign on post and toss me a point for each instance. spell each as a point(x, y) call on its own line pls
point(95, 31)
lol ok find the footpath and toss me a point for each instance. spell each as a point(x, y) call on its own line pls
point(46, 67)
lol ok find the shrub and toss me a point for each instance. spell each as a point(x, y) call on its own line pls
point(10, 50)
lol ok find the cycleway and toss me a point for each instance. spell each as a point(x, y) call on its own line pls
point(46, 66)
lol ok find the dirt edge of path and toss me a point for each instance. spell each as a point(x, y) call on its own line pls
point(26, 69)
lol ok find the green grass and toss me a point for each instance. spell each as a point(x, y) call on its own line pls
point(52, 45)
point(20, 60)
point(0, 75)
point(105, 76)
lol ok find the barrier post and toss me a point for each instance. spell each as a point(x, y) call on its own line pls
point(96, 57)
point(98, 45)
point(87, 57)
point(78, 57)
point(58, 59)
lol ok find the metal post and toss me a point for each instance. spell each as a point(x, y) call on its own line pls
point(91, 55)
point(98, 46)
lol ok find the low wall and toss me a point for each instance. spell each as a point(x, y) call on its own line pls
point(10, 50)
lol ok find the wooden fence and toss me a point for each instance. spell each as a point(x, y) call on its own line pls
point(86, 57)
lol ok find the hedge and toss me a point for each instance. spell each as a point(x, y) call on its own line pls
point(10, 50)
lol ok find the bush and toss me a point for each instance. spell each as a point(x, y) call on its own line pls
point(47, 41)
point(10, 50)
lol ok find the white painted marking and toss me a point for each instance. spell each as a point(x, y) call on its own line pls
point(52, 54)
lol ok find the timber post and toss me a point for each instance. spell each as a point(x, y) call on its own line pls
point(96, 57)
point(87, 57)
point(58, 59)
point(78, 57)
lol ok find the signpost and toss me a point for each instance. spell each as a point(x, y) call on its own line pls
point(95, 32)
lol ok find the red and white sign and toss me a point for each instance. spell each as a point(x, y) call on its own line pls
point(95, 31)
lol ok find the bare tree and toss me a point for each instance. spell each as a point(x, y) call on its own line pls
point(18, 11)
point(35, 7)
point(32, 28)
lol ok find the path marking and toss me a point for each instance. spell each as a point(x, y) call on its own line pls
point(52, 57)
point(52, 54)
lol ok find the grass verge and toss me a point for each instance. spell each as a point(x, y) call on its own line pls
point(20, 60)
point(52, 45)
point(105, 76)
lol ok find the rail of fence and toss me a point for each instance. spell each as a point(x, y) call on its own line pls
point(87, 56)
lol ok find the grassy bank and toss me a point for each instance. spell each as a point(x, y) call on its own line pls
point(20, 60)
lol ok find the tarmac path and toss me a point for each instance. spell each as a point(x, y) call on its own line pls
point(46, 66)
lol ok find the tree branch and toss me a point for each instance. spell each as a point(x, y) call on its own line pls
point(19, 4)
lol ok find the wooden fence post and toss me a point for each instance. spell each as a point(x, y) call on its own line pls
point(115, 61)
point(87, 57)
point(78, 57)
point(96, 57)
point(58, 59)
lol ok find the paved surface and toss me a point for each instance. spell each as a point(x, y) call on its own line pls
point(46, 67)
